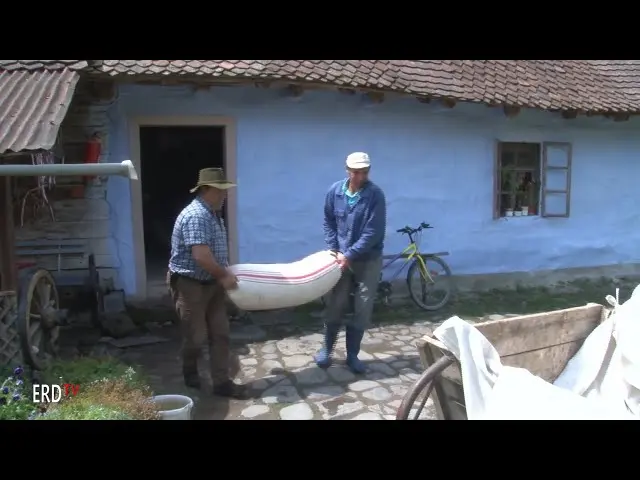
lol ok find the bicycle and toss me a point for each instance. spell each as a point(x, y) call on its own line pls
point(426, 276)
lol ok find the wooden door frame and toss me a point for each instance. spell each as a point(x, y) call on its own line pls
point(230, 166)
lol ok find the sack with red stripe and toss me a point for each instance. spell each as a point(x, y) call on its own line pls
point(284, 285)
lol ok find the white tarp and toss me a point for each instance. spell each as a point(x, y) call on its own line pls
point(602, 381)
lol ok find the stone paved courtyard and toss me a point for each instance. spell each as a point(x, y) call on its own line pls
point(300, 390)
point(273, 354)
point(285, 382)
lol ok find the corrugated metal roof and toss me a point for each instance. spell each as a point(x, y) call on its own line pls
point(32, 106)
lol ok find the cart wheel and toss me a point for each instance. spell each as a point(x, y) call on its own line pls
point(93, 286)
point(38, 318)
point(424, 385)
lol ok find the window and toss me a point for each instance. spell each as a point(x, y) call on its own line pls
point(532, 179)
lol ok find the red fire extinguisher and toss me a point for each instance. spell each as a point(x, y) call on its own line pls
point(92, 152)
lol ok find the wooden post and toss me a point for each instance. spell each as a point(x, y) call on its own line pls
point(8, 268)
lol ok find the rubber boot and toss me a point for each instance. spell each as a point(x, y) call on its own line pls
point(191, 377)
point(323, 357)
point(353, 340)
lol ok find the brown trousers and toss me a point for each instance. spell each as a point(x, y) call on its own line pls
point(203, 317)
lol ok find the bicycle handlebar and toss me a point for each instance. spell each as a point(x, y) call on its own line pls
point(410, 231)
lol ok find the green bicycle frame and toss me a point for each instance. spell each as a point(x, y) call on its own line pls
point(411, 251)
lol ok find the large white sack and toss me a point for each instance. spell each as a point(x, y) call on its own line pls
point(284, 285)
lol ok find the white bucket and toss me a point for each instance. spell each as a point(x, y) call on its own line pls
point(174, 407)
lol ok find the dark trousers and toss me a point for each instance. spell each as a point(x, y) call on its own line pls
point(202, 311)
point(362, 279)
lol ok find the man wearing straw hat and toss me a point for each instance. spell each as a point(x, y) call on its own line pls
point(198, 277)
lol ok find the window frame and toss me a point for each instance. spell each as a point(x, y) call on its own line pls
point(544, 169)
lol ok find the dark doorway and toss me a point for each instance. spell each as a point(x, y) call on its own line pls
point(170, 159)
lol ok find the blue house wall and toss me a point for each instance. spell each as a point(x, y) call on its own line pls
point(434, 163)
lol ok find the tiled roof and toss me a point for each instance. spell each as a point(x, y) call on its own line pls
point(599, 86)
point(31, 65)
point(32, 106)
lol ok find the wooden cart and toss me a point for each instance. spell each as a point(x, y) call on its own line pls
point(542, 343)
point(30, 314)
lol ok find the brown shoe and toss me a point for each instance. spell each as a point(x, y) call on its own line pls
point(231, 390)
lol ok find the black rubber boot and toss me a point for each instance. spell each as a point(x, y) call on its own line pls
point(353, 340)
point(323, 357)
point(191, 377)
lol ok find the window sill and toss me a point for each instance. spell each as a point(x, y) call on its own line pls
point(519, 219)
point(530, 217)
point(519, 216)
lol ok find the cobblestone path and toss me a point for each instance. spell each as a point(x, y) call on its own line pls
point(285, 382)
point(291, 387)
point(274, 355)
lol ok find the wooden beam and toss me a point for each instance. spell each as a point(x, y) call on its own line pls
point(448, 102)
point(569, 114)
point(294, 91)
point(153, 81)
point(375, 97)
point(511, 111)
point(101, 89)
point(201, 87)
point(171, 81)
point(8, 267)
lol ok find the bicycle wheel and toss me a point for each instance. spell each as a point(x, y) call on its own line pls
point(423, 386)
point(423, 290)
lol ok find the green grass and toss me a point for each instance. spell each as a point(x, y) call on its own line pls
point(475, 306)
point(76, 410)
point(518, 301)
point(109, 390)
point(85, 370)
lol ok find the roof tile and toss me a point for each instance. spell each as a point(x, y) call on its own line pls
point(599, 86)
point(31, 65)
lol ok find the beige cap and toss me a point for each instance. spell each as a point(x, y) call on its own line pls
point(358, 160)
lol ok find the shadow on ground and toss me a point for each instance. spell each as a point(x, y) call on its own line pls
point(310, 380)
point(472, 307)
point(272, 352)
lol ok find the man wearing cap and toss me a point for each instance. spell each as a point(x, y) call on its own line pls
point(198, 277)
point(354, 227)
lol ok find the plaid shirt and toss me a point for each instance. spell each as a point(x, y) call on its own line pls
point(197, 224)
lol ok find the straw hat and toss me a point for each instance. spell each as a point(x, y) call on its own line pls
point(212, 177)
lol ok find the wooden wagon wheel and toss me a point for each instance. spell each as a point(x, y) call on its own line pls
point(93, 287)
point(38, 318)
point(424, 385)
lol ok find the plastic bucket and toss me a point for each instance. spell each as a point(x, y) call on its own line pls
point(174, 407)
